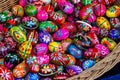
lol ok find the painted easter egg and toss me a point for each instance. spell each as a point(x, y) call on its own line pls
point(92, 53)
point(103, 32)
point(58, 17)
point(115, 34)
point(18, 34)
point(62, 76)
point(19, 79)
point(32, 76)
point(74, 51)
point(86, 2)
point(61, 34)
point(59, 59)
point(55, 47)
point(5, 73)
point(106, 2)
point(44, 37)
point(109, 43)
point(11, 60)
point(25, 49)
point(33, 36)
point(113, 11)
point(18, 10)
point(92, 18)
point(31, 10)
point(42, 15)
point(104, 51)
point(72, 60)
point(102, 22)
point(70, 26)
point(38, 4)
point(43, 59)
point(22, 3)
point(88, 64)
point(99, 9)
point(73, 70)
point(20, 70)
point(40, 49)
point(48, 26)
point(85, 12)
point(114, 21)
point(29, 22)
point(95, 30)
point(3, 51)
point(48, 8)
point(32, 63)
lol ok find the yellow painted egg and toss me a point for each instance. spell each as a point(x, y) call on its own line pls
point(102, 22)
point(113, 11)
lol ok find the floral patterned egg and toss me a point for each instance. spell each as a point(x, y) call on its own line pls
point(18, 10)
point(59, 59)
point(48, 26)
point(32, 63)
point(40, 49)
point(33, 36)
point(55, 47)
point(102, 22)
point(61, 34)
point(32, 76)
point(20, 70)
point(30, 22)
point(73, 70)
point(25, 49)
point(109, 43)
point(11, 60)
point(85, 12)
point(104, 51)
point(92, 53)
point(74, 51)
point(43, 59)
point(58, 17)
point(44, 37)
point(5, 73)
point(72, 60)
point(115, 34)
point(99, 9)
point(113, 11)
point(103, 32)
point(88, 64)
point(18, 34)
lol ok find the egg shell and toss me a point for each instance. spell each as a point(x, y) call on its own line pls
point(20, 70)
point(5, 73)
point(92, 53)
point(40, 49)
point(43, 59)
point(32, 63)
point(59, 59)
point(32, 76)
point(58, 17)
point(104, 51)
point(74, 51)
point(25, 49)
point(99, 9)
point(61, 34)
point(42, 15)
point(48, 26)
point(18, 10)
point(11, 60)
point(115, 34)
point(72, 60)
point(88, 64)
point(92, 18)
point(109, 43)
point(73, 70)
point(44, 37)
point(114, 21)
point(113, 11)
point(31, 10)
point(102, 22)
point(33, 36)
point(18, 34)
point(85, 12)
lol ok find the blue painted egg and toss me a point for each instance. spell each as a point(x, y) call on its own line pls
point(74, 51)
point(88, 64)
point(44, 37)
point(115, 34)
point(32, 76)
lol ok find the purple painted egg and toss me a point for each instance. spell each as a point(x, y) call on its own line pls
point(99, 9)
point(115, 34)
point(74, 70)
point(61, 34)
point(42, 15)
point(32, 76)
point(40, 49)
point(104, 51)
point(88, 64)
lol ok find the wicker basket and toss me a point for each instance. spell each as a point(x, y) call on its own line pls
point(99, 68)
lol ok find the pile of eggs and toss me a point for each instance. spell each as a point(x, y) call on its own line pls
point(56, 39)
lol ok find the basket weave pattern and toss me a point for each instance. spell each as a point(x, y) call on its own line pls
point(99, 68)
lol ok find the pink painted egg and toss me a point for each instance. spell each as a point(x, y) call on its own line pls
point(92, 18)
point(22, 2)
